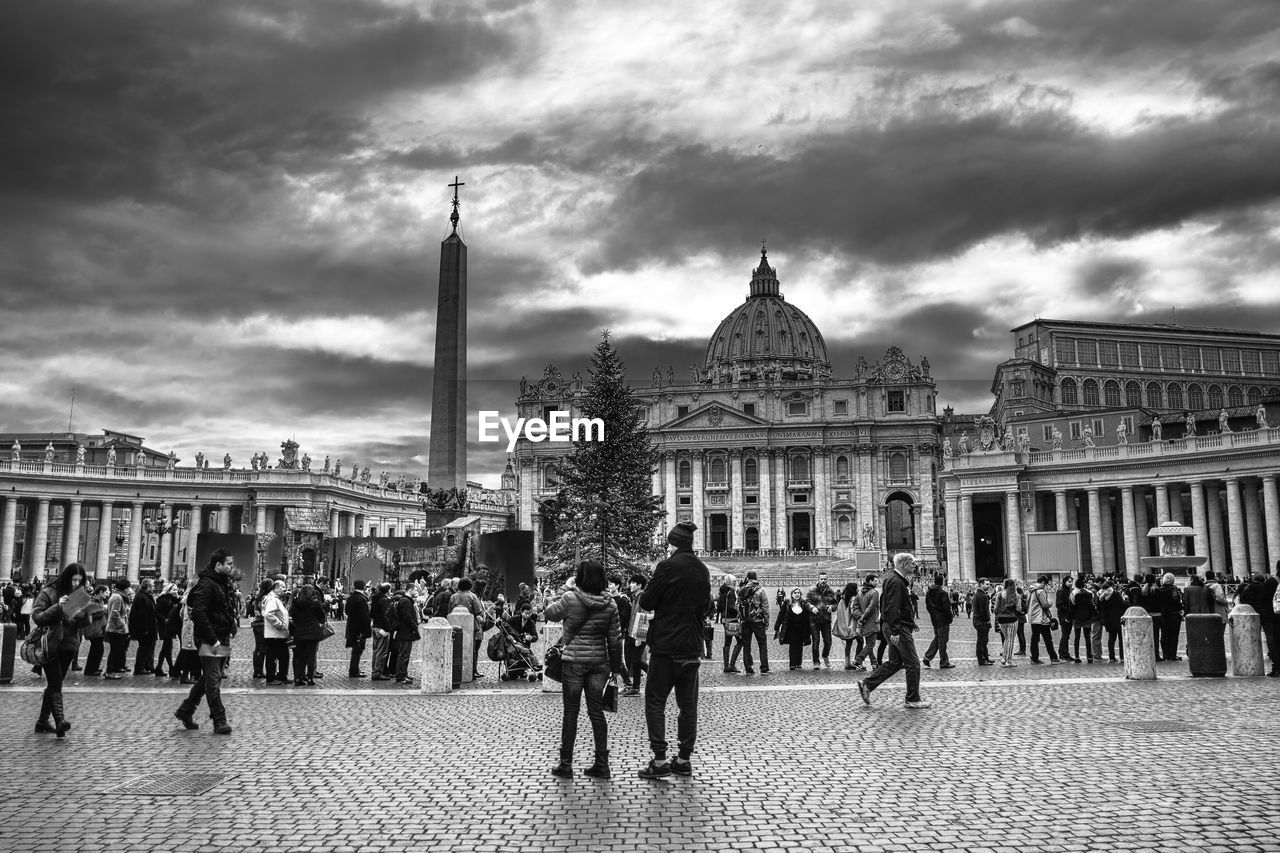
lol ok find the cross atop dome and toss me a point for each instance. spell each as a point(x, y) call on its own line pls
point(764, 278)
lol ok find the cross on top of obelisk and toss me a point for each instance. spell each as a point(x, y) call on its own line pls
point(454, 217)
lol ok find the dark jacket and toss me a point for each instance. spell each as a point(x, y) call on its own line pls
point(1008, 605)
point(142, 616)
point(1112, 607)
point(623, 603)
point(982, 609)
point(593, 636)
point(307, 615)
point(938, 603)
point(438, 604)
point(359, 622)
point(1082, 607)
point(789, 627)
point(47, 612)
point(164, 604)
point(677, 596)
point(406, 619)
point(378, 610)
point(821, 608)
point(1198, 599)
point(1062, 600)
point(895, 606)
point(212, 609)
point(1170, 600)
point(727, 605)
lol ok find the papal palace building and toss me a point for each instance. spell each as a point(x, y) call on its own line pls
point(1110, 429)
point(764, 448)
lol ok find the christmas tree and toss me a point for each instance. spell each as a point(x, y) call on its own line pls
point(606, 510)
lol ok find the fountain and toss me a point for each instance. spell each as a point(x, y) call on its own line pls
point(1173, 557)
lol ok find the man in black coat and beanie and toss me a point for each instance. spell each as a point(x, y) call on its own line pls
point(213, 622)
point(677, 596)
point(359, 627)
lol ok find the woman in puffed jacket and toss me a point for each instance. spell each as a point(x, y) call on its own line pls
point(62, 642)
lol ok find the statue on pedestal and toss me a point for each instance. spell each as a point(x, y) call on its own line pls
point(383, 478)
point(1057, 438)
point(1087, 435)
point(657, 378)
point(1157, 429)
point(326, 465)
point(199, 460)
point(306, 462)
point(206, 465)
point(964, 443)
point(1008, 438)
point(253, 461)
point(15, 452)
point(1024, 442)
point(226, 462)
point(947, 451)
point(80, 454)
point(364, 475)
point(1191, 424)
point(48, 452)
point(1223, 426)
point(173, 461)
point(111, 456)
point(924, 366)
point(868, 535)
point(337, 467)
point(1122, 433)
point(1261, 416)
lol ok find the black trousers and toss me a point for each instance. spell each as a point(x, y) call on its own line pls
point(795, 650)
point(1038, 633)
point(208, 686)
point(259, 651)
point(165, 656)
point(1157, 622)
point(304, 660)
point(1170, 628)
point(633, 652)
point(93, 663)
point(276, 660)
point(732, 648)
point(984, 633)
point(144, 659)
point(757, 631)
point(1113, 636)
point(667, 674)
point(1065, 640)
point(820, 631)
point(116, 658)
point(1022, 637)
point(357, 651)
point(938, 646)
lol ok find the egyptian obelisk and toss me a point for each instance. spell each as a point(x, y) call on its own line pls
point(447, 463)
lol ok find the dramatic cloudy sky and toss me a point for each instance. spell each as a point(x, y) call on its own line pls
point(220, 221)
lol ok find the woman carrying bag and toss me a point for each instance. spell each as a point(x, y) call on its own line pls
point(592, 650)
point(61, 643)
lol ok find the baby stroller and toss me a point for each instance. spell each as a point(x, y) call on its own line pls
point(515, 659)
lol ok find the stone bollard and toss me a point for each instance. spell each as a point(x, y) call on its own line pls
point(463, 618)
point(1139, 648)
point(437, 656)
point(551, 633)
point(1246, 640)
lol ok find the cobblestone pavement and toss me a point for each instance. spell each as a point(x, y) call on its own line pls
point(1024, 759)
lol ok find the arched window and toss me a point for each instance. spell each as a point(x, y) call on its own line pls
point(1235, 396)
point(1195, 396)
point(684, 477)
point(750, 475)
point(1155, 398)
point(1111, 394)
point(842, 468)
point(1215, 396)
point(844, 528)
point(717, 469)
point(1070, 392)
point(1132, 394)
point(1255, 395)
point(799, 468)
point(1091, 393)
point(897, 467)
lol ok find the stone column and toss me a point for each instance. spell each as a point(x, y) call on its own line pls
point(193, 538)
point(736, 525)
point(1130, 531)
point(1095, 532)
point(1142, 521)
point(1013, 534)
point(781, 535)
point(135, 542)
point(1175, 502)
point(699, 535)
point(1108, 533)
point(1271, 506)
point(1199, 519)
point(106, 538)
point(224, 518)
point(965, 532)
point(1060, 509)
point(955, 563)
point(1162, 504)
point(1253, 524)
point(766, 498)
point(8, 537)
point(164, 559)
point(1217, 533)
point(1235, 529)
point(333, 524)
point(822, 501)
point(351, 524)
point(260, 522)
point(436, 674)
point(71, 534)
point(669, 488)
point(360, 524)
point(40, 539)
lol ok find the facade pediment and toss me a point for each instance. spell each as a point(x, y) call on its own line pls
point(715, 415)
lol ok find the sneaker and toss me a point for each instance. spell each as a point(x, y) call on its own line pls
point(926, 663)
point(222, 728)
point(681, 766)
point(915, 706)
point(947, 666)
point(865, 692)
point(188, 722)
point(654, 770)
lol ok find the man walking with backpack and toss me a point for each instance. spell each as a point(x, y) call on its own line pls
point(753, 605)
point(677, 596)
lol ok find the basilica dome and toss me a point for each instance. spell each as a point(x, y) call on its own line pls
point(766, 337)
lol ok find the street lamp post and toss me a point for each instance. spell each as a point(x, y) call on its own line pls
point(159, 525)
point(120, 528)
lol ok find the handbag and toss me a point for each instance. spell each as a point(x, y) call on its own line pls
point(1053, 623)
point(610, 698)
point(732, 627)
point(553, 664)
point(326, 631)
point(35, 648)
point(640, 625)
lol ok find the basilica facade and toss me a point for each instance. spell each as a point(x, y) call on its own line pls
point(765, 448)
